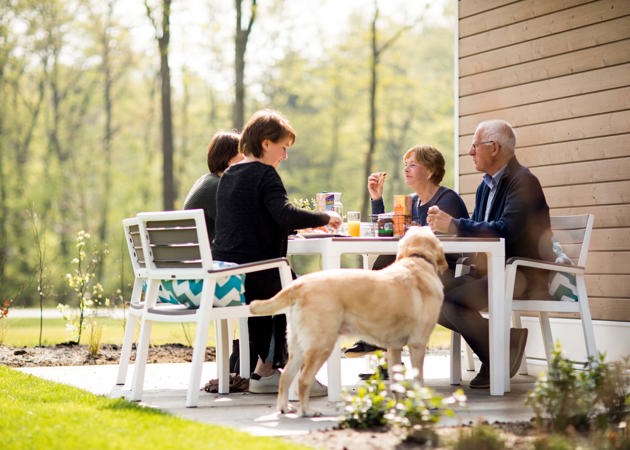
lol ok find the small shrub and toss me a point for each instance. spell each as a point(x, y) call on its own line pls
point(95, 338)
point(417, 408)
point(82, 280)
point(565, 397)
point(479, 437)
point(407, 405)
point(367, 408)
point(553, 442)
point(4, 312)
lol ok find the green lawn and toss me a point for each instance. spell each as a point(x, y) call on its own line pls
point(40, 414)
point(20, 332)
point(24, 332)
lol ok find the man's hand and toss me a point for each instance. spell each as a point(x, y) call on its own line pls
point(438, 220)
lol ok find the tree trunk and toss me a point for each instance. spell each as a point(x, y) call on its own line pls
point(369, 157)
point(168, 177)
point(240, 47)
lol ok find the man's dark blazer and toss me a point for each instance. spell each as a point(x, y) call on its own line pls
point(519, 213)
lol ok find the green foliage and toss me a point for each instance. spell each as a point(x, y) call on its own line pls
point(369, 406)
point(553, 442)
point(23, 332)
point(40, 414)
point(79, 159)
point(89, 292)
point(416, 406)
point(570, 398)
point(407, 405)
point(4, 312)
point(305, 203)
point(479, 437)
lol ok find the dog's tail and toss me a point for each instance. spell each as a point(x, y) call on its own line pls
point(281, 300)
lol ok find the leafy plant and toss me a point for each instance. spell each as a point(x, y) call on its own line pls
point(82, 280)
point(406, 405)
point(95, 337)
point(304, 203)
point(368, 407)
point(417, 408)
point(479, 437)
point(594, 396)
point(4, 312)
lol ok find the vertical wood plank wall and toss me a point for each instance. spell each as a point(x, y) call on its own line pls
point(559, 72)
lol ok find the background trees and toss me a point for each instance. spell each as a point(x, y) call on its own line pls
point(82, 118)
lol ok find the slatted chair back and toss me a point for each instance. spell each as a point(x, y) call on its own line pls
point(176, 247)
point(574, 234)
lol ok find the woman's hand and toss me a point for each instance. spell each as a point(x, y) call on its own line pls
point(375, 184)
point(334, 219)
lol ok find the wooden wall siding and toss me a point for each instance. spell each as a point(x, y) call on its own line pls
point(559, 71)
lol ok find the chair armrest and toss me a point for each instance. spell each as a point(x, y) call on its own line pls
point(462, 266)
point(546, 265)
point(256, 266)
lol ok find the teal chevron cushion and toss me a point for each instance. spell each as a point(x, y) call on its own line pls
point(562, 284)
point(229, 291)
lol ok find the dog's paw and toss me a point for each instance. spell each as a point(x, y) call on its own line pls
point(311, 413)
point(287, 409)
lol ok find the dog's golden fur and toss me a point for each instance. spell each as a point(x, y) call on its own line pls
point(393, 307)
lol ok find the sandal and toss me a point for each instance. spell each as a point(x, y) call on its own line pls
point(237, 384)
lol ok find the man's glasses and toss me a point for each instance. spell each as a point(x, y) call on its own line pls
point(479, 144)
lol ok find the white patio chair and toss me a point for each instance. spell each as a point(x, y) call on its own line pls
point(574, 235)
point(131, 229)
point(176, 247)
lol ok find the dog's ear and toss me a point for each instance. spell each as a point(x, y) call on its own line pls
point(422, 241)
point(414, 241)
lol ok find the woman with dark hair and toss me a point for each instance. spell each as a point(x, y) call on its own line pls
point(254, 223)
point(222, 153)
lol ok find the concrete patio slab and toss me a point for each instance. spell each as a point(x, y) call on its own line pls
point(165, 388)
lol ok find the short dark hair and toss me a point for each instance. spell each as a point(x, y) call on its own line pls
point(431, 158)
point(264, 124)
point(222, 148)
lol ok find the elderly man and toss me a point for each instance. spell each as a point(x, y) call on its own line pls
point(509, 203)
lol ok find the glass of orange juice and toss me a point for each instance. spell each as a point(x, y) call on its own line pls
point(354, 223)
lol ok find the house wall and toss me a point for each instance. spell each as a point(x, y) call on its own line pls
point(559, 72)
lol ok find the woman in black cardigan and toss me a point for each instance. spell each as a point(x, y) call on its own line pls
point(253, 223)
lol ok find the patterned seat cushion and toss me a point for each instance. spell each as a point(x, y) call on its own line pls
point(562, 284)
point(229, 291)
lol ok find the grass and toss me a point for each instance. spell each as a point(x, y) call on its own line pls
point(42, 414)
point(24, 332)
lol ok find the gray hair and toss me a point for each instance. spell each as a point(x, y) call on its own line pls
point(500, 131)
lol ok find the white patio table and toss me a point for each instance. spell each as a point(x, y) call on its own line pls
point(331, 249)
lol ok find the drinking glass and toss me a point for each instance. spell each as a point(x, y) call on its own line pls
point(354, 223)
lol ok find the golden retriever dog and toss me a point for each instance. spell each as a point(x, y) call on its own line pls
point(396, 306)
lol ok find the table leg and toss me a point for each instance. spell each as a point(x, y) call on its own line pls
point(332, 260)
point(499, 327)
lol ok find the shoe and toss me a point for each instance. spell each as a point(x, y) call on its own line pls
point(317, 390)
point(518, 339)
point(361, 348)
point(264, 385)
point(237, 384)
point(384, 374)
point(482, 379)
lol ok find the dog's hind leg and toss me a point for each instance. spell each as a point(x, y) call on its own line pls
point(289, 373)
point(313, 360)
